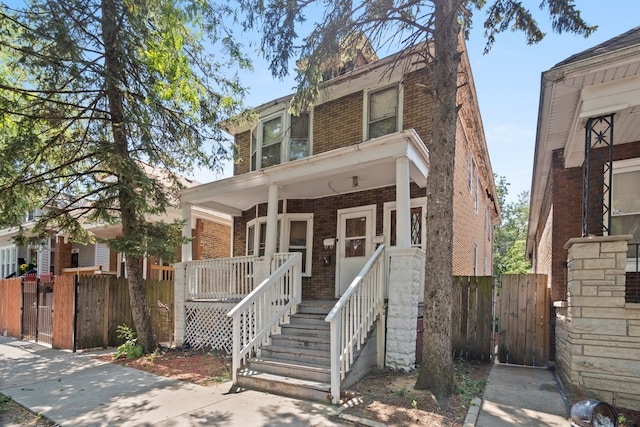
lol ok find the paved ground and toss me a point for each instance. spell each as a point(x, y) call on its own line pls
point(76, 390)
point(522, 396)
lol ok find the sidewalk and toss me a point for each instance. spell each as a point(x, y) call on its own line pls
point(76, 390)
point(522, 396)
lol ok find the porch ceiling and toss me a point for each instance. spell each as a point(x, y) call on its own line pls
point(372, 162)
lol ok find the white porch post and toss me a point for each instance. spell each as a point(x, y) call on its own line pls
point(186, 232)
point(403, 204)
point(272, 222)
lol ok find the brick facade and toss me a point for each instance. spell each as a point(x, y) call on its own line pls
point(214, 240)
point(562, 211)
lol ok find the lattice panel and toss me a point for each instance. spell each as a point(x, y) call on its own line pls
point(207, 325)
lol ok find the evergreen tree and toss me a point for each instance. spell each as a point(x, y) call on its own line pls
point(437, 23)
point(103, 103)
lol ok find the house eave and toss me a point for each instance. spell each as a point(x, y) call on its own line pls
point(320, 175)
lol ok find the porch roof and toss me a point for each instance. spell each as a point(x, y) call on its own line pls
point(599, 81)
point(330, 173)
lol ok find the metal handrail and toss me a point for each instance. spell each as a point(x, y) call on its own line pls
point(263, 311)
point(353, 317)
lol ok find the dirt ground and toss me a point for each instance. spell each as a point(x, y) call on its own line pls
point(385, 396)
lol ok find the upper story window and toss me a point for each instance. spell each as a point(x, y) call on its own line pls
point(625, 200)
point(31, 215)
point(382, 113)
point(280, 138)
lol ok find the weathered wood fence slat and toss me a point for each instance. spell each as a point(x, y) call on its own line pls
point(472, 316)
point(523, 317)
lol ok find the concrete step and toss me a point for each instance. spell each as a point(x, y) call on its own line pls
point(289, 369)
point(301, 341)
point(303, 355)
point(316, 307)
point(305, 330)
point(309, 319)
point(284, 385)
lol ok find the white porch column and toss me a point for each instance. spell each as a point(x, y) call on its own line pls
point(272, 222)
point(180, 302)
point(403, 204)
point(186, 232)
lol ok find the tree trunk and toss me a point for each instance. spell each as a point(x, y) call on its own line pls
point(436, 371)
point(126, 187)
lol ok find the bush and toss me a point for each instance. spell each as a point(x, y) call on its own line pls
point(129, 348)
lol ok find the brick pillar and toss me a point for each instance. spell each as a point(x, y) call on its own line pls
point(405, 267)
point(62, 258)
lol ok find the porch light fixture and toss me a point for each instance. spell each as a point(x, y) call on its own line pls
point(354, 181)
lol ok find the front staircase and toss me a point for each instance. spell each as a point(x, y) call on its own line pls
point(297, 363)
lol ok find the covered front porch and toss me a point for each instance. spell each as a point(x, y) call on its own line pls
point(344, 226)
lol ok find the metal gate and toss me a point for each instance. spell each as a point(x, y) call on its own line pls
point(37, 308)
point(525, 309)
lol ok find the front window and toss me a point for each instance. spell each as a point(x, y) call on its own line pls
point(280, 138)
point(298, 237)
point(8, 262)
point(383, 112)
point(417, 222)
point(625, 201)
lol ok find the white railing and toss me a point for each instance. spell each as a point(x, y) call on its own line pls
point(353, 317)
point(262, 312)
point(219, 279)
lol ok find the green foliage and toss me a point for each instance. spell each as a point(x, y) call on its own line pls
point(468, 388)
point(130, 348)
point(510, 236)
point(89, 138)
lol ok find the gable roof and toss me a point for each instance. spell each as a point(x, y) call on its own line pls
point(630, 38)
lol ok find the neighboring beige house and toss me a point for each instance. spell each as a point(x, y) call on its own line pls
point(584, 219)
point(343, 185)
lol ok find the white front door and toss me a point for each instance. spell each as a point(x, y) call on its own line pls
point(356, 227)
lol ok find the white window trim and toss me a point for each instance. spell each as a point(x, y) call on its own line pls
point(392, 206)
point(622, 166)
point(475, 194)
point(365, 109)
point(469, 172)
point(285, 144)
point(283, 239)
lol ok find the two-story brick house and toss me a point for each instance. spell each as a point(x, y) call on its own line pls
point(348, 176)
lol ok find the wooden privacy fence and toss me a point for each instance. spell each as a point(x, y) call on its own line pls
point(88, 309)
point(11, 307)
point(103, 305)
point(524, 315)
point(472, 320)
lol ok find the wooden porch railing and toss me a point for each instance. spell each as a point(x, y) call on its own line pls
point(162, 272)
point(219, 279)
point(263, 311)
point(353, 317)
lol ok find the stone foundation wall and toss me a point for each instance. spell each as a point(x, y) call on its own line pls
point(597, 333)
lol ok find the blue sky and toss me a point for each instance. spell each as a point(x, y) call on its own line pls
point(507, 81)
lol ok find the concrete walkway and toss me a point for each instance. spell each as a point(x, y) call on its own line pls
point(76, 390)
point(73, 389)
point(522, 396)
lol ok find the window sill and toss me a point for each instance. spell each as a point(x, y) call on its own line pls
point(632, 305)
point(560, 304)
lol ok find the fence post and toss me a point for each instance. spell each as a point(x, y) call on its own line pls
point(105, 314)
point(75, 313)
